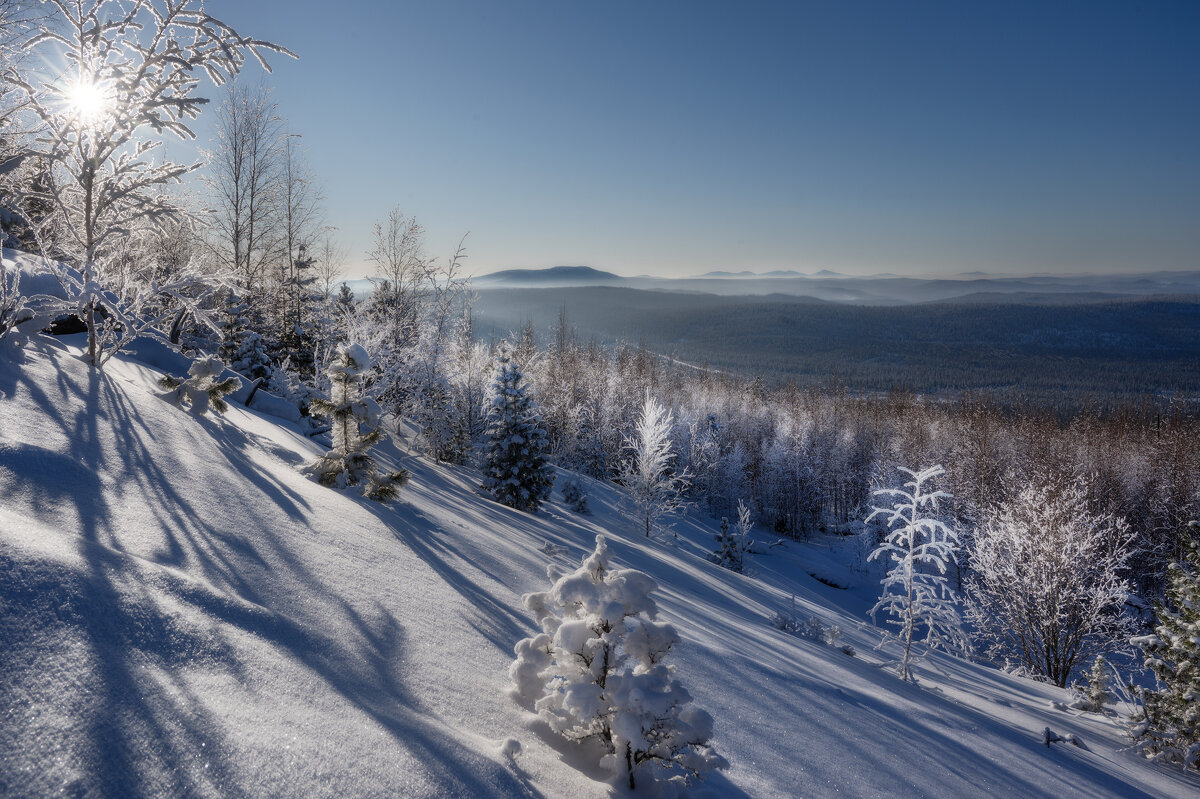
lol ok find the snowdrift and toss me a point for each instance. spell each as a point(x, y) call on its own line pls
point(182, 613)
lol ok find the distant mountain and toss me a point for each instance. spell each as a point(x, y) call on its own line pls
point(783, 273)
point(554, 275)
point(829, 273)
point(719, 273)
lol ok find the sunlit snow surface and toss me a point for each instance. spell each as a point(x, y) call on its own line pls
point(182, 613)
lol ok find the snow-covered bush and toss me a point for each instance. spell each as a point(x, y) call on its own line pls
point(516, 471)
point(916, 538)
point(648, 472)
point(348, 463)
point(733, 545)
point(596, 674)
point(201, 389)
point(809, 628)
point(1046, 588)
point(574, 495)
point(1169, 729)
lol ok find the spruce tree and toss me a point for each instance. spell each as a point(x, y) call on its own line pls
point(348, 463)
point(1170, 727)
point(516, 471)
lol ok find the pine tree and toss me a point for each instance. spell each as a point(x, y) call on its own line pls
point(201, 390)
point(1170, 727)
point(516, 471)
point(732, 545)
point(913, 597)
point(348, 463)
point(596, 672)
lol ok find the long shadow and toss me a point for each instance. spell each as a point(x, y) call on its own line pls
point(145, 737)
point(123, 711)
point(499, 624)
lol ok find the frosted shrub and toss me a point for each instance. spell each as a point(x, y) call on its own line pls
point(1047, 587)
point(596, 673)
point(201, 389)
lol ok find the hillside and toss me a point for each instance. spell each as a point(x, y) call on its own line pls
point(182, 613)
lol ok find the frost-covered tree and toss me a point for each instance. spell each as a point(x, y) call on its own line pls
point(348, 462)
point(575, 495)
point(1098, 691)
point(114, 77)
point(1047, 586)
point(242, 348)
point(1170, 727)
point(648, 471)
point(596, 672)
point(516, 471)
point(916, 594)
point(201, 389)
point(733, 545)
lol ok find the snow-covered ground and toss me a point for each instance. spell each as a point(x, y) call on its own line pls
point(182, 613)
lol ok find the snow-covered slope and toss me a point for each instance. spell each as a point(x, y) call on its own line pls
point(183, 614)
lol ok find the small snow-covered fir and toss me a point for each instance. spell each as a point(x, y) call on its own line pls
point(596, 672)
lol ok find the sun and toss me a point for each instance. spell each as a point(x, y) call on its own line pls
point(87, 99)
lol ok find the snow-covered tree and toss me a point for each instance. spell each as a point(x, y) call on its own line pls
point(1170, 727)
point(201, 389)
point(115, 76)
point(1097, 692)
point(733, 545)
point(349, 411)
point(515, 467)
point(575, 495)
point(916, 594)
point(1046, 586)
point(648, 471)
point(242, 348)
point(596, 672)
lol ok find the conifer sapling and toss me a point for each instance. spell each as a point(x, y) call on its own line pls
point(201, 390)
point(596, 673)
point(349, 411)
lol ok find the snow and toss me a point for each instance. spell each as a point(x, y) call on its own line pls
point(183, 613)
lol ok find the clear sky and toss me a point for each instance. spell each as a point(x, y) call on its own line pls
point(675, 138)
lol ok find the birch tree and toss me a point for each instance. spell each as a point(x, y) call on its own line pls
point(131, 73)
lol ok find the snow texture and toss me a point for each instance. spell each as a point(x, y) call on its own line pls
point(182, 613)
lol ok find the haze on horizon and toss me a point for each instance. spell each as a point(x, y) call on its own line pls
point(680, 138)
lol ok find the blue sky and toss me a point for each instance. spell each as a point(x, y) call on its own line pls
point(677, 138)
